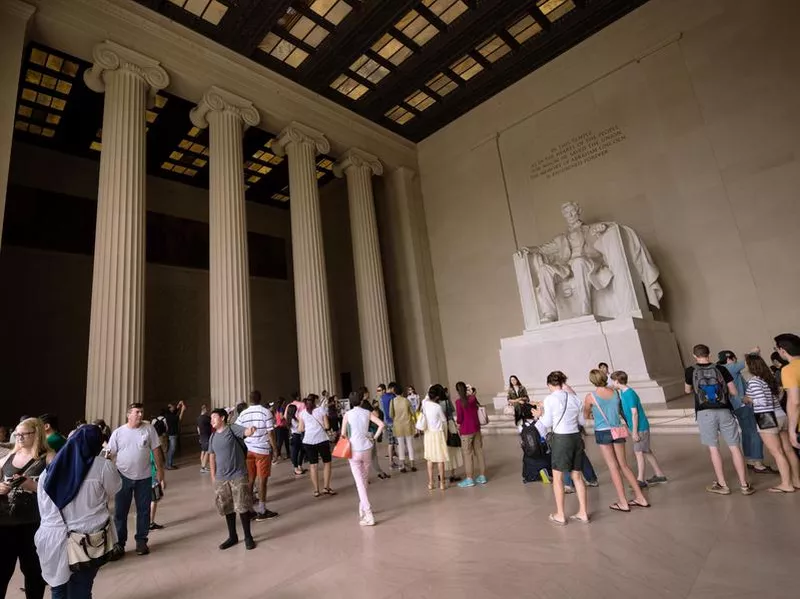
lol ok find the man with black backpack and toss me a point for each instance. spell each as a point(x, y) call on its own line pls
point(712, 387)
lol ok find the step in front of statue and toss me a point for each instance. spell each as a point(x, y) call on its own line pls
point(662, 421)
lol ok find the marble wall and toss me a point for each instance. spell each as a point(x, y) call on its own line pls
point(706, 95)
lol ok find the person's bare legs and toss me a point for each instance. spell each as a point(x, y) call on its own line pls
point(738, 464)
point(791, 456)
point(326, 475)
point(442, 479)
point(583, 497)
point(651, 459)
point(773, 443)
point(153, 509)
point(640, 465)
point(312, 470)
point(558, 494)
point(430, 474)
point(204, 459)
point(619, 452)
point(616, 478)
point(716, 462)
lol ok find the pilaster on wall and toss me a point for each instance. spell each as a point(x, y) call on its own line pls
point(413, 307)
point(14, 18)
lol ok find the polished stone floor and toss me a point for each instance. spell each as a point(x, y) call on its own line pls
point(492, 541)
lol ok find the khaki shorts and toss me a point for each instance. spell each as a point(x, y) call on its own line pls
point(783, 425)
point(233, 496)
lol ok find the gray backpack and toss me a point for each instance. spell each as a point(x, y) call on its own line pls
point(710, 388)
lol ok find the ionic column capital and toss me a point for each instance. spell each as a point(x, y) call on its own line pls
point(355, 158)
point(297, 133)
point(218, 99)
point(110, 57)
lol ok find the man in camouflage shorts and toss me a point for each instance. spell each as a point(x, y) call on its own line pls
point(232, 489)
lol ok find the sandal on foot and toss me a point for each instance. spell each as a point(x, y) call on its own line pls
point(316, 494)
point(430, 487)
point(779, 490)
point(635, 503)
point(576, 518)
point(556, 521)
point(618, 508)
point(329, 491)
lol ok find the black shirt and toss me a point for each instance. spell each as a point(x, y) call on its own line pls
point(688, 377)
point(204, 426)
point(173, 423)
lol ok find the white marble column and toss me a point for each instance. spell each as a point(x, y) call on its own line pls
point(116, 334)
point(14, 18)
point(314, 341)
point(373, 319)
point(227, 115)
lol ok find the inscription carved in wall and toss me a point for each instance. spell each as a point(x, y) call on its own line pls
point(576, 151)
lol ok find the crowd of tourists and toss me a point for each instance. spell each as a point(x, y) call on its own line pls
point(56, 489)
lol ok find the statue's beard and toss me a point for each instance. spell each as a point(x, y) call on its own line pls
point(574, 223)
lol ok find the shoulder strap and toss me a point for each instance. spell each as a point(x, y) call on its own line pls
point(599, 407)
point(566, 401)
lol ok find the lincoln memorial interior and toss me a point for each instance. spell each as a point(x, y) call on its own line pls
point(199, 198)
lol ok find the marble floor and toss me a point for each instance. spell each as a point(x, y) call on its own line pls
point(492, 541)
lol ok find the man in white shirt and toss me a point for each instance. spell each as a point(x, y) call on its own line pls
point(563, 414)
point(130, 446)
point(259, 450)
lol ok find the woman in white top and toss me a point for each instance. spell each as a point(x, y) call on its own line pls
point(563, 414)
point(413, 398)
point(77, 487)
point(435, 434)
point(314, 427)
point(355, 428)
point(772, 423)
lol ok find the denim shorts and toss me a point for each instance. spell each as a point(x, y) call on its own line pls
point(605, 438)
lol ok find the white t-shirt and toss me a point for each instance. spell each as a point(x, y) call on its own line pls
point(263, 421)
point(131, 448)
point(434, 415)
point(358, 421)
point(314, 431)
point(563, 412)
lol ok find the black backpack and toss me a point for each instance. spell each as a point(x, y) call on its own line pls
point(531, 441)
point(709, 387)
point(160, 424)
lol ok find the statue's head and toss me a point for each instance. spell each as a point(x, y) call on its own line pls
point(571, 212)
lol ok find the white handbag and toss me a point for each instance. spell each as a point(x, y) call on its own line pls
point(90, 550)
point(483, 417)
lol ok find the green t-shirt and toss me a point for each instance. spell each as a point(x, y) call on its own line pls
point(56, 441)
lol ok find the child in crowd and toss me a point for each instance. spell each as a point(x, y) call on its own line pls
point(639, 426)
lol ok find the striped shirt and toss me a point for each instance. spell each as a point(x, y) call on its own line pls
point(261, 418)
point(763, 398)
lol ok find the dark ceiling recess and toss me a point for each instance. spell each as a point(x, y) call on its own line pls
point(412, 66)
point(56, 110)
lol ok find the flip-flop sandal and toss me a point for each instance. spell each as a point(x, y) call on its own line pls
point(553, 519)
point(316, 494)
point(575, 518)
point(766, 470)
point(617, 508)
point(778, 490)
point(330, 492)
point(634, 503)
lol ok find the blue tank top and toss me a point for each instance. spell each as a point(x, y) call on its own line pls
point(610, 409)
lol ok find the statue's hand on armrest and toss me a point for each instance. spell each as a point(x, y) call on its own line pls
point(597, 228)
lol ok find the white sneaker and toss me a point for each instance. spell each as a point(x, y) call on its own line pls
point(368, 519)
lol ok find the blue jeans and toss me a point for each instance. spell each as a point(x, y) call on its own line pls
point(173, 445)
point(588, 473)
point(752, 446)
point(79, 585)
point(141, 492)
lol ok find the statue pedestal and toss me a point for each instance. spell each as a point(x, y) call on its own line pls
point(644, 348)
